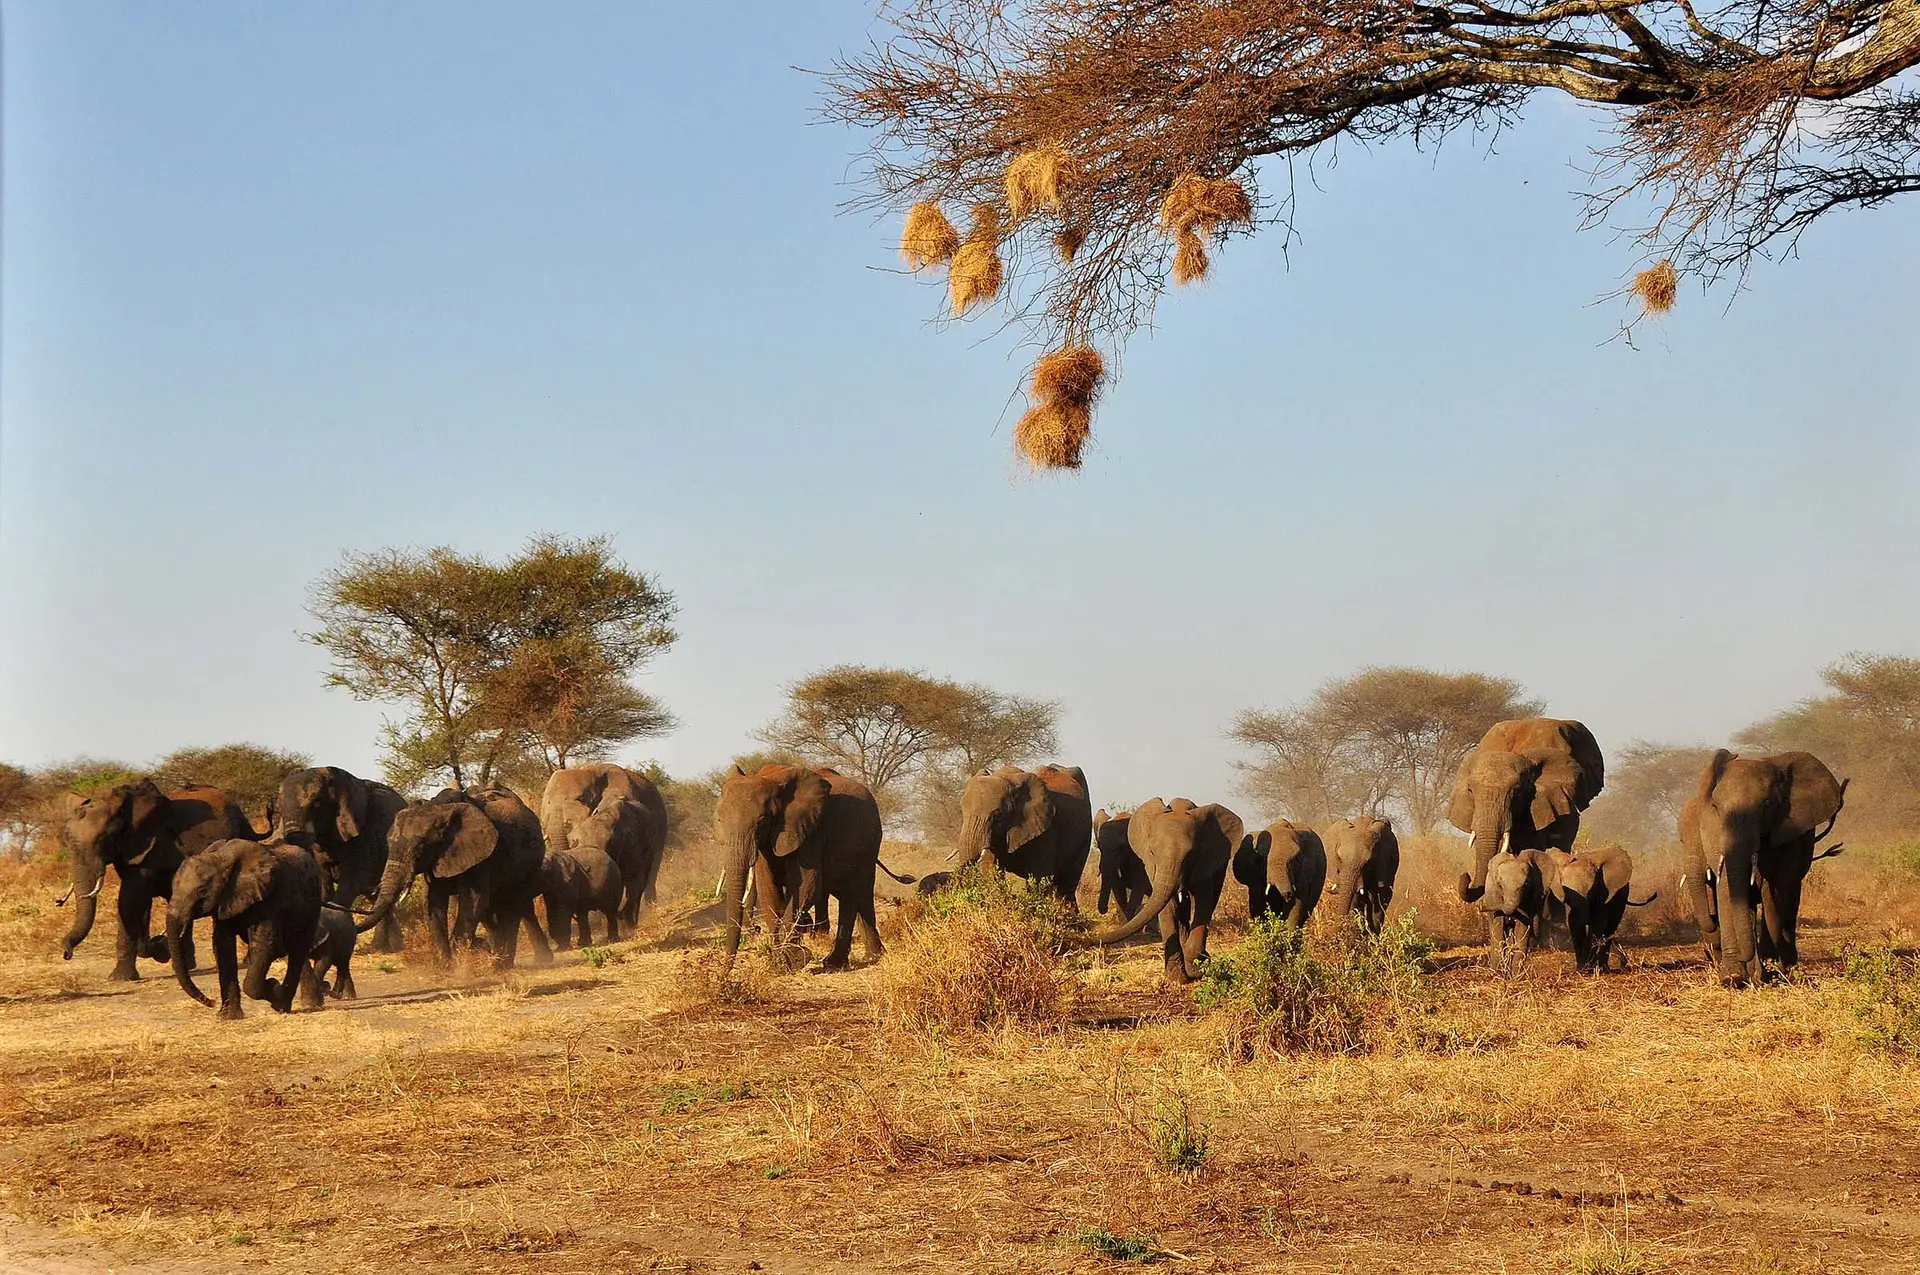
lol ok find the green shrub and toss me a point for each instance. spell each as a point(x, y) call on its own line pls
point(598, 957)
point(1884, 987)
point(1180, 1142)
point(1905, 858)
point(1121, 1248)
point(1343, 993)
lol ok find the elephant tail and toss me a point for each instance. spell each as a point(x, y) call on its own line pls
point(909, 879)
point(1156, 903)
point(1640, 903)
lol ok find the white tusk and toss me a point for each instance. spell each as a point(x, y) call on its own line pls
point(1505, 837)
point(96, 888)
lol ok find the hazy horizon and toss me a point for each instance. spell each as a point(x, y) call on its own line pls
point(284, 283)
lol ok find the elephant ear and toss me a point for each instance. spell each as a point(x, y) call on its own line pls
point(1460, 804)
point(805, 808)
point(246, 883)
point(1814, 797)
point(1569, 778)
point(1036, 813)
point(1250, 860)
point(349, 804)
point(1228, 824)
point(470, 841)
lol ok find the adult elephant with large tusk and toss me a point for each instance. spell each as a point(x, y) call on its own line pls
point(1747, 837)
point(1523, 788)
point(1186, 850)
point(144, 834)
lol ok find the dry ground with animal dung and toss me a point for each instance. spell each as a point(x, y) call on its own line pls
point(609, 1113)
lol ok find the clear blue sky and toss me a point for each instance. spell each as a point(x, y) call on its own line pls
point(284, 280)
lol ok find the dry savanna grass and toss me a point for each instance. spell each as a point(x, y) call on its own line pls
point(622, 1110)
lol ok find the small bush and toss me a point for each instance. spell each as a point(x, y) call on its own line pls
point(984, 951)
point(1180, 1142)
point(1120, 1248)
point(1608, 1256)
point(599, 957)
point(753, 981)
point(1884, 987)
point(1344, 994)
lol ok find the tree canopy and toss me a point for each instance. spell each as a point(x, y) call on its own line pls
point(1383, 740)
point(250, 773)
point(1109, 144)
point(1647, 783)
point(497, 670)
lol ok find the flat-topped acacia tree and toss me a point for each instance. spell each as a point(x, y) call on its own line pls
point(1104, 145)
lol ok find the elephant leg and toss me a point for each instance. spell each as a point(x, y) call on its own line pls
point(297, 973)
point(387, 936)
point(503, 936)
point(613, 924)
point(134, 909)
point(226, 962)
point(343, 988)
point(1206, 897)
point(843, 937)
point(313, 982)
point(439, 895)
point(262, 940)
point(1496, 939)
point(1780, 904)
point(870, 931)
point(1174, 926)
point(467, 920)
point(542, 951)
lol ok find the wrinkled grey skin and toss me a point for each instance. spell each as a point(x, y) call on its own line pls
point(805, 835)
point(1036, 824)
point(571, 797)
point(483, 847)
point(1363, 857)
point(1123, 878)
point(1589, 890)
point(1747, 837)
point(1284, 867)
point(1523, 788)
point(344, 820)
point(333, 944)
point(145, 834)
point(1513, 904)
point(268, 893)
point(1186, 850)
point(575, 884)
point(624, 831)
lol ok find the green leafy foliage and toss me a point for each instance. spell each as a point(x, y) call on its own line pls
point(1884, 988)
point(1120, 1248)
point(1180, 1141)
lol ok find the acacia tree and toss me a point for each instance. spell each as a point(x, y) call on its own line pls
point(499, 669)
point(249, 773)
point(1867, 728)
point(1083, 126)
point(1647, 784)
point(1384, 737)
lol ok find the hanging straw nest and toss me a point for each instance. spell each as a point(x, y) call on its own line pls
point(1203, 204)
point(986, 222)
point(1052, 435)
point(1054, 430)
point(1035, 179)
point(1190, 259)
point(1068, 241)
point(928, 239)
point(975, 274)
point(1657, 286)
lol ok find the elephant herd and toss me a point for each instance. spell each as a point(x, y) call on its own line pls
point(799, 836)
point(336, 839)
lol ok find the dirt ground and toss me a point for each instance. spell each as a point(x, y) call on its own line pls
point(582, 1118)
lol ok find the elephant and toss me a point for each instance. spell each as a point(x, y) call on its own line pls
point(344, 820)
point(1037, 824)
point(627, 832)
point(1123, 878)
point(1284, 867)
point(270, 893)
point(1364, 857)
point(577, 882)
point(333, 944)
point(575, 792)
point(1523, 788)
point(145, 834)
point(1514, 901)
point(1747, 838)
point(483, 847)
point(806, 834)
point(1589, 890)
point(1186, 850)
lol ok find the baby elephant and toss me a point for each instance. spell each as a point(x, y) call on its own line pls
point(1591, 889)
point(577, 882)
point(269, 894)
point(1284, 868)
point(332, 950)
point(1514, 902)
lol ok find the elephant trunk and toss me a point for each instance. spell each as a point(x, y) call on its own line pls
point(87, 876)
point(179, 928)
point(393, 883)
point(974, 836)
point(739, 863)
point(1735, 887)
point(1163, 892)
point(1491, 830)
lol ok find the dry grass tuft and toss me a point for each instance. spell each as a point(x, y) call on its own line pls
point(1067, 242)
point(1036, 177)
point(975, 275)
point(1190, 259)
point(1052, 435)
point(1204, 204)
point(1657, 286)
point(986, 952)
point(928, 238)
point(755, 979)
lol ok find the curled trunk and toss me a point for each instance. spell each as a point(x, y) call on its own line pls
point(1163, 892)
point(87, 876)
point(393, 883)
point(179, 927)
